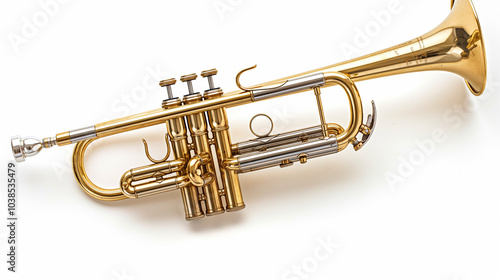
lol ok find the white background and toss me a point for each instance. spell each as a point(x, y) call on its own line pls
point(96, 60)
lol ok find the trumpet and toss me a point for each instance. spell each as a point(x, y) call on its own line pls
point(198, 121)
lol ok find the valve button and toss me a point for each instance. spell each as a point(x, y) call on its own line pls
point(167, 82)
point(208, 73)
point(189, 77)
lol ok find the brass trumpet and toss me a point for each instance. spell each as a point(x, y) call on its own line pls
point(456, 46)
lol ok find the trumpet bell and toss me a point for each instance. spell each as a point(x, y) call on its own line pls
point(472, 66)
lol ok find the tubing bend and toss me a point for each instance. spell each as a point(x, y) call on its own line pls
point(285, 155)
point(355, 104)
point(83, 180)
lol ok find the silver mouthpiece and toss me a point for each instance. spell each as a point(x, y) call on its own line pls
point(29, 146)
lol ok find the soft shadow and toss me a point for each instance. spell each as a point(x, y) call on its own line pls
point(167, 208)
point(161, 208)
point(216, 222)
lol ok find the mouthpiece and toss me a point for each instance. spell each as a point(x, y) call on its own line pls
point(29, 146)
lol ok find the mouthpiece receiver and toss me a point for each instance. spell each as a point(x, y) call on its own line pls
point(29, 146)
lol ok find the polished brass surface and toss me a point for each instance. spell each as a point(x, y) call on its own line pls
point(87, 185)
point(286, 163)
point(177, 132)
point(445, 48)
point(456, 46)
point(349, 134)
point(303, 158)
point(167, 82)
point(238, 84)
point(324, 125)
point(189, 77)
point(153, 179)
point(439, 49)
point(220, 130)
point(171, 103)
point(199, 134)
point(208, 73)
point(63, 139)
point(146, 150)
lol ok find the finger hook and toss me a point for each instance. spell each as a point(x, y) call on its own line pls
point(149, 156)
point(252, 88)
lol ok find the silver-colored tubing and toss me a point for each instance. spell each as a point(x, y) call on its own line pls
point(264, 143)
point(292, 152)
point(82, 134)
point(290, 86)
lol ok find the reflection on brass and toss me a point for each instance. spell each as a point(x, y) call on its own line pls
point(188, 77)
point(149, 156)
point(209, 72)
point(167, 82)
point(238, 84)
point(198, 138)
